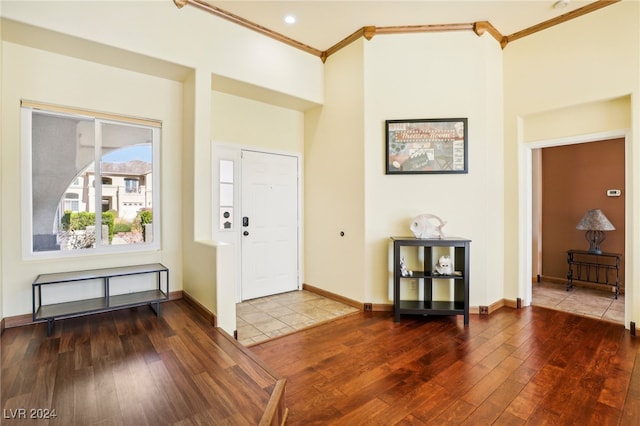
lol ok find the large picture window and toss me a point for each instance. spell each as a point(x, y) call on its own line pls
point(91, 181)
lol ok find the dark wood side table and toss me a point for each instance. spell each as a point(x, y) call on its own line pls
point(459, 303)
point(601, 269)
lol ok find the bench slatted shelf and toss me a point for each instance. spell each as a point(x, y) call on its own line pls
point(53, 311)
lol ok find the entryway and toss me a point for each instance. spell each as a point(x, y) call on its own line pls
point(256, 223)
point(269, 224)
point(262, 319)
point(568, 180)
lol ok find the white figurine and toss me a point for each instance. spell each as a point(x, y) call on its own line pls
point(403, 268)
point(443, 267)
point(423, 227)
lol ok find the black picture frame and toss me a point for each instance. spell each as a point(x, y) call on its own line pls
point(427, 145)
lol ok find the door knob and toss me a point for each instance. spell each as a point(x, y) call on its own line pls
point(245, 233)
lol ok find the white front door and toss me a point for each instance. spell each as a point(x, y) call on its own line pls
point(269, 224)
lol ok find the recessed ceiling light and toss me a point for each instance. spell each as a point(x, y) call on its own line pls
point(290, 19)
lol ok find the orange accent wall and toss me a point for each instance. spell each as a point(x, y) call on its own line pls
point(576, 178)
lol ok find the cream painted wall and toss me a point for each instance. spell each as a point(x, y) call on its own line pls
point(335, 180)
point(199, 256)
point(436, 75)
point(587, 118)
point(50, 78)
point(254, 124)
point(183, 48)
point(346, 187)
point(586, 66)
point(186, 36)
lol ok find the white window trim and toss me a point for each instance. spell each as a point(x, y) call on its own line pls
point(26, 187)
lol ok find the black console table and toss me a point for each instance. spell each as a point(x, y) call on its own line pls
point(459, 303)
point(602, 268)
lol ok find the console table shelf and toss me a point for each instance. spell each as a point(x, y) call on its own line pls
point(52, 311)
point(459, 303)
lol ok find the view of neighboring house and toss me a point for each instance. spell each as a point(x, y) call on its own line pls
point(126, 189)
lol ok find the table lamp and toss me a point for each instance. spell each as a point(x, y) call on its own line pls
point(595, 223)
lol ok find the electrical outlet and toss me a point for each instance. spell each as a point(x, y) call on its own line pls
point(368, 307)
point(484, 310)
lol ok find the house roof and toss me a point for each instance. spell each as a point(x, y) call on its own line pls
point(133, 167)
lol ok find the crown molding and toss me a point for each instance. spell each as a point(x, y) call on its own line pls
point(369, 32)
point(248, 24)
point(592, 7)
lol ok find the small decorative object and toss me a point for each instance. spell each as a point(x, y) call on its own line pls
point(423, 226)
point(443, 267)
point(426, 146)
point(595, 223)
point(403, 268)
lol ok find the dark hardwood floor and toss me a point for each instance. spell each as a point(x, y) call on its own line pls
point(528, 366)
point(129, 367)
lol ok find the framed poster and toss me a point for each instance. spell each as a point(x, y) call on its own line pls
point(426, 146)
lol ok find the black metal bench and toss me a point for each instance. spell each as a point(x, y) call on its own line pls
point(107, 302)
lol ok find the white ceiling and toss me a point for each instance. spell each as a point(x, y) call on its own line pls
point(322, 24)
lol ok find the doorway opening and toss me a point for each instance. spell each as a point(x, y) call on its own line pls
point(259, 230)
point(567, 179)
point(269, 225)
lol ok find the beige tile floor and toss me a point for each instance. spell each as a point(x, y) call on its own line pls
point(582, 301)
point(260, 319)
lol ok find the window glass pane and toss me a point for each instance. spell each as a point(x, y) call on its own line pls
point(61, 146)
point(226, 194)
point(226, 171)
point(70, 195)
point(127, 166)
point(130, 185)
point(71, 202)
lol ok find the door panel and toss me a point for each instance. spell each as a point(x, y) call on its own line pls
point(270, 239)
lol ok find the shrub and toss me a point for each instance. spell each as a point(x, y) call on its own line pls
point(146, 216)
point(121, 227)
point(108, 219)
point(79, 221)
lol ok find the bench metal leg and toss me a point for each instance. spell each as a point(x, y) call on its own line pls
point(49, 326)
point(155, 308)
